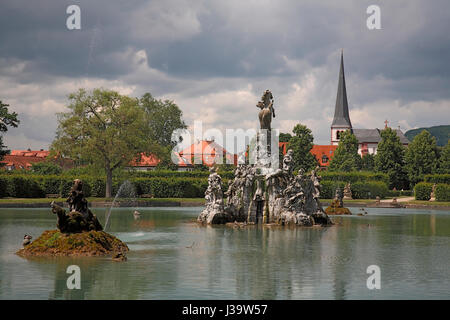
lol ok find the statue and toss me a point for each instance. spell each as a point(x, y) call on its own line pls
point(214, 211)
point(347, 192)
point(338, 197)
point(76, 199)
point(433, 191)
point(288, 162)
point(267, 110)
point(79, 218)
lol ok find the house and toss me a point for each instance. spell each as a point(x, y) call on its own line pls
point(23, 159)
point(206, 151)
point(323, 154)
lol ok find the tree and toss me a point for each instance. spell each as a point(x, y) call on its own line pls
point(346, 157)
point(368, 162)
point(390, 159)
point(421, 157)
point(6, 119)
point(163, 118)
point(105, 129)
point(46, 167)
point(301, 144)
point(444, 159)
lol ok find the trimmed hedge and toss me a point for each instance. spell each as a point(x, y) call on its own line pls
point(398, 193)
point(442, 192)
point(422, 191)
point(352, 177)
point(437, 178)
point(360, 190)
point(172, 186)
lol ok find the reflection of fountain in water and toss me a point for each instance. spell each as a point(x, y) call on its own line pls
point(125, 193)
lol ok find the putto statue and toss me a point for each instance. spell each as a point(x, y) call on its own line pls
point(214, 211)
point(79, 218)
point(260, 193)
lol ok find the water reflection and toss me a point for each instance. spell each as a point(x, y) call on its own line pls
point(172, 257)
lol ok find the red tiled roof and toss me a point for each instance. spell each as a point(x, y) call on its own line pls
point(207, 150)
point(146, 160)
point(20, 162)
point(30, 153)
point(323, 152)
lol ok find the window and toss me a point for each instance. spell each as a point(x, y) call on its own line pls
point(324, 159)
point(338, 135)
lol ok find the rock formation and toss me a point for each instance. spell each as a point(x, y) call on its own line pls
point(337, 205)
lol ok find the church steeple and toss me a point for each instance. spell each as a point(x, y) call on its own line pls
point(341, 116)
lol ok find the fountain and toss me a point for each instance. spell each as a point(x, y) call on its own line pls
point(126, 191)
point(263, 193)
point(79, 232)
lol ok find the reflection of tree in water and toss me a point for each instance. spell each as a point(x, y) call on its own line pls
point(266, 263)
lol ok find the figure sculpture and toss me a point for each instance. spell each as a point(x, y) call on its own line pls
point(267, 110)
point(79, 218)
point(347, 192)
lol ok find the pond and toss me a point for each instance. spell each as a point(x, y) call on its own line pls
point(171, 257)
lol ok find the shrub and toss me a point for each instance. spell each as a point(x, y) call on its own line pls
point(442, 192)
point(437, 178)
point(369, 190)
point(422, 190)
point(352, 177)
point(329, 188)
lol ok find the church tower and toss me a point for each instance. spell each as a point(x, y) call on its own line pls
point(341, 120)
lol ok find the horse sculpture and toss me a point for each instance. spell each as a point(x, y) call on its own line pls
point(267, 110)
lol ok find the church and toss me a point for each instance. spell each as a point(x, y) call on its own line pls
point(368, 139)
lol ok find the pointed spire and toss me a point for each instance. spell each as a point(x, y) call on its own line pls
point(341, 115)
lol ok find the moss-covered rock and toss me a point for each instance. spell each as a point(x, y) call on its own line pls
point(92, 243)
point(336, 209)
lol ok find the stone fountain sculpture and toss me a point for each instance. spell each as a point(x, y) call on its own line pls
point(79, 232)
point(79, 218)
point(261, 194)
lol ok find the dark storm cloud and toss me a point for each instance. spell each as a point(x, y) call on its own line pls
point(189, 49)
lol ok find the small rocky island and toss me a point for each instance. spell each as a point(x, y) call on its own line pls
point(263, 191)
point(337, 205)
point(79, 232)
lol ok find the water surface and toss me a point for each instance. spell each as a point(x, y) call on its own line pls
point(171, 257)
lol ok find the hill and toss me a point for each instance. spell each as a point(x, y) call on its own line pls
point(441, 133)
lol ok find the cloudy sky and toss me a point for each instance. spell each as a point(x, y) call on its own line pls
point(214, 58)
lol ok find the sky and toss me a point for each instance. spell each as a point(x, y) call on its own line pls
point(214, 59)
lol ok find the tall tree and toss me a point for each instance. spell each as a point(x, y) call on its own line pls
point(104, 128)
point(301, 144)
point(444, 159)
point(346, 157)
point(421, 157)
point(390, 159)
point(7, 119)
point(368, 162)
point(163, 118)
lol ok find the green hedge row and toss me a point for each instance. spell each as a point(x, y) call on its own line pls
point(442, 192)
point(437, 178)
point(360, 190)
point(352, 177)
point(34, 186)
point(422, 191)
point(398, 193)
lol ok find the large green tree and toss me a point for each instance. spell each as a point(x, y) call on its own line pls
point(368, 162)
point(163, 118)
point(421, 157)
point(390, 159)
point(7, 119)
point(105, 129)
point(301, 144)
point(346, 157)
point(444, 159)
